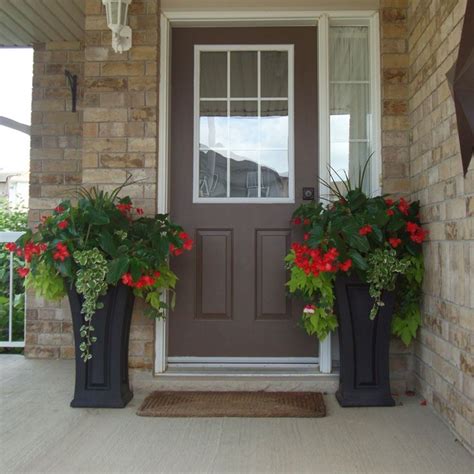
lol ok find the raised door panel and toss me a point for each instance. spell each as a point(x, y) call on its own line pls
point(214, 274)
point(272, 299)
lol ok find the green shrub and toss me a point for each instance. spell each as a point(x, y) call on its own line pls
point(11, 220)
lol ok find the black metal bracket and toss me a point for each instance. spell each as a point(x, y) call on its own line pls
point(72, 79)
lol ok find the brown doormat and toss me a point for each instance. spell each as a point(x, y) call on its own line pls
point(234, 404)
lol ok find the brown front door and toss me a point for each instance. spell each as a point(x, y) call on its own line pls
point(243, 146)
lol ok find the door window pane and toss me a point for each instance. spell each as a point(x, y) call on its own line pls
point(243, 74)
point(243, 134)
point(244, 174)
point(213, 124)
point(213, 77)
point(244, 125)
point(212, 173)
point(274, 124)
point(274, 180)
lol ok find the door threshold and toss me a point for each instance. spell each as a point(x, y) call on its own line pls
point(233, 371)
point(281, 379)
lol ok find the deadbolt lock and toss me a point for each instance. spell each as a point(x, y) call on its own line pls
point(308, 194)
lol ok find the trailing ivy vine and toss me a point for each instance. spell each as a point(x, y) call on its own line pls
point(384, 267)
point(91, 284)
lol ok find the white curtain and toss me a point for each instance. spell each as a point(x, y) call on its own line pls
point(350, 98)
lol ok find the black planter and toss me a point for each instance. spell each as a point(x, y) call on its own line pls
point(364, 345)
point(102, 382)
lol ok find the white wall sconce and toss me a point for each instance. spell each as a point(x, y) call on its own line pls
point(117, 18)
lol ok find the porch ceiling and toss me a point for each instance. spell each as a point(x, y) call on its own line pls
point(25, 22)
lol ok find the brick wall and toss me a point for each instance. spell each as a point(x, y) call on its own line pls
point(395, 144)
point(112, 134)
point(444, 361)
point(394, 74)
point(120, 125)
point(55, 169)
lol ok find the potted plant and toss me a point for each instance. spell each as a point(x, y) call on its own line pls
point(102, 252)
point(359, 268)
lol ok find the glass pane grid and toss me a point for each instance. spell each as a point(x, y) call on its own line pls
point(243, 124)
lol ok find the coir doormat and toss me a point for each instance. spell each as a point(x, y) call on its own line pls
point(234, 404)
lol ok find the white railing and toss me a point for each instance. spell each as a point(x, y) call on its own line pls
point(4, 238)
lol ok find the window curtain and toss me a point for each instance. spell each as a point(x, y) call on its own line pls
point(349, 96)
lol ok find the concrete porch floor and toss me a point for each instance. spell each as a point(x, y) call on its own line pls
point(40, 433)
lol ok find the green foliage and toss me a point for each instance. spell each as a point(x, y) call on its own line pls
point(105, 234)
point(18, 321)
point(407, 317)
point(318, 289)
point(46, 281)
point(91, 284)
point(382, 240)
point(384, 266)
point(12, 219)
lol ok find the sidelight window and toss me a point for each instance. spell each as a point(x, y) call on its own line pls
point(243, 134)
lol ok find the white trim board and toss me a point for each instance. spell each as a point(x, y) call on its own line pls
point(169, 19)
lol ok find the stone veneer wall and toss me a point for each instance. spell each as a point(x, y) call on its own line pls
point(444, 360)
point(120, 124)
point(55, 168)
point(395, 143)
point(113, 133)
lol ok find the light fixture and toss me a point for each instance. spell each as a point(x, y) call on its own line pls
point(117, 16)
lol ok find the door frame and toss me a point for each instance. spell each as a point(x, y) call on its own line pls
point(174, 19)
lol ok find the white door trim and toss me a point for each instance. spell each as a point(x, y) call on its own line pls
point(169, 19)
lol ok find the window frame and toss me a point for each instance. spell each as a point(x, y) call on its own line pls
point(198, 48)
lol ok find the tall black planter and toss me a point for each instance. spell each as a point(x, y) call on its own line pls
point(364, 345)
point(102, 382)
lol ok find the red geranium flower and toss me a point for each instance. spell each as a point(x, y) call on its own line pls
point(61, 253)
point(307, 221)
point(127, 279)
point(297, 220)
point(59, 209)
point(10, 246)
point(417, 233)
point(394, 242)
point(124, 208)
point(366, 229)
point(175, 250)
point(419, 236)
point(389, 202)
point(306, 236)
point(188, 244)
point(63, 224)
point(32, 249)
point(403, 206)
point(390, 212)
point(23, 272)
point(345, 266)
